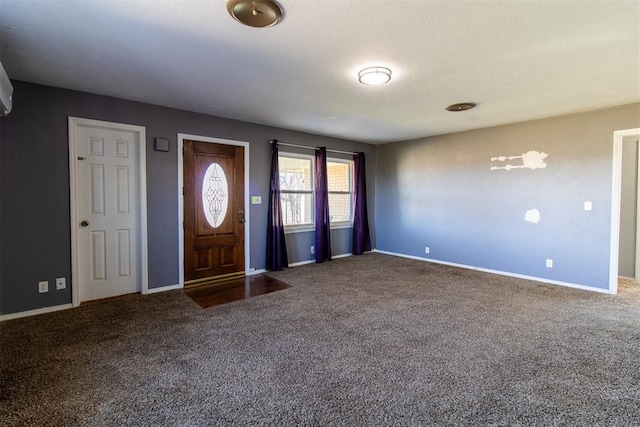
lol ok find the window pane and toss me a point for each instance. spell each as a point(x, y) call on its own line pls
point(297, 208)
point(339, 176)
point(340, 207)
point(295, 174)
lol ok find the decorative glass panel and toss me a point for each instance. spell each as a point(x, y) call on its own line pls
point(215, 195)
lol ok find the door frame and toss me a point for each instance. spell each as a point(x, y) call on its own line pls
point(247, 223)
point(141, 238)
point(616, 188)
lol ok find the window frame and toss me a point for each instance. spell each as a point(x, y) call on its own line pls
point(303, 228)
point(349, 222)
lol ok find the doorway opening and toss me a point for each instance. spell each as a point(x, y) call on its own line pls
point(624, 142)
point(215, 211)
point(107, 176)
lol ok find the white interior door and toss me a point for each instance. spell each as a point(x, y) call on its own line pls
point(107, 211)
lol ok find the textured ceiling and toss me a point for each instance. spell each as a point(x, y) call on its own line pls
point(519, 60)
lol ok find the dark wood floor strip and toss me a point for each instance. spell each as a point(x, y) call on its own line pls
point(233, 290)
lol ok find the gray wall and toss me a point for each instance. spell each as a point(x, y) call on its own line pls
point(628, 207)
point(34, 183)
point(440, 192)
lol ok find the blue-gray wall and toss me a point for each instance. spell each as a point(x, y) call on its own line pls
point(440, 192)
point(34, 184)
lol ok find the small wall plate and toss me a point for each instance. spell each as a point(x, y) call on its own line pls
point(161, 144)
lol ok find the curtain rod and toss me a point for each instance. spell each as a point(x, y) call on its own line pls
point(309, 148)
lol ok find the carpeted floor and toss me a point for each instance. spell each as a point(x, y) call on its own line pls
point(368, 340)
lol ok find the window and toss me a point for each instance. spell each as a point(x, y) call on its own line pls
point(339, 183)
point(296, 188)
point(297, 172)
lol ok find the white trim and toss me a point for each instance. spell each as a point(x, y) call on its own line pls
point(35, 312)
point(616, 188)
point(298, 264)
point(74, 123)
point(163, 289)
point(341, 256)
point(256, 272)
point(312, 261)
point(498, 272)
point(247, 198)
point(637, 266)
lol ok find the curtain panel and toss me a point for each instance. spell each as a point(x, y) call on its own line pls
point(276, 245)
point(361, 236)
point(323, 225)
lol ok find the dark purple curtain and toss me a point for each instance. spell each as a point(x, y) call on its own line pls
point(276, 245)
point(323, 225)
point(361, 237)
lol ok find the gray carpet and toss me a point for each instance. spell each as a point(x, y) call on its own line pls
point(368, 340)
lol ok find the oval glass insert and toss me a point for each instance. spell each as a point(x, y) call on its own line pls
point(215, 195)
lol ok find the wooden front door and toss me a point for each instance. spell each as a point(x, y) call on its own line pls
point(213, 211)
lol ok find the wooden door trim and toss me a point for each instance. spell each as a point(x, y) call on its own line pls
point(141, 238)
point(247, 224)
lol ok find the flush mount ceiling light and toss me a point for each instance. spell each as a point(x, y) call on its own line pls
point(374, 76)
point(256, 13)
point(463, 106)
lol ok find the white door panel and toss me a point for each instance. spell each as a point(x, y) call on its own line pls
point(107, 199)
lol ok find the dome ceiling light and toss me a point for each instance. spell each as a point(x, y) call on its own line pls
point(374, 76)
point(463, 106)
point(256, 13)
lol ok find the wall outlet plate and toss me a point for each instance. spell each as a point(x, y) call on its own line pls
point(61, 283)
point(549, 263)
point(43, 286)
point(426, 249)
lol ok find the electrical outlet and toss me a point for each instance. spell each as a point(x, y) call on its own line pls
point(313, 250)
point(61, 283)
point(43, 286)
point(588, 206)
point(426, 249)
point(549, 263)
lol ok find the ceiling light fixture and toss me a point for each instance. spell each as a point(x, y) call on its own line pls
point(374, 76)
point(463, 106)
point(256, 13)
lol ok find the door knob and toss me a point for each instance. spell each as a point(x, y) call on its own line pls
point(241, 216)
point(84, 223)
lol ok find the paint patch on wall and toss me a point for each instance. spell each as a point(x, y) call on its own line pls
point(528, 160)
point(532, 215)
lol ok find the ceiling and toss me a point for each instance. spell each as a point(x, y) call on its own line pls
point(518, 60)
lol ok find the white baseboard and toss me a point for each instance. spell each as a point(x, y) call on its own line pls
point(498, 272)
point(254, 272)
point(311, 261)
point(340, 256)
point(162, 289)
point(297, 264)
point(35, 312)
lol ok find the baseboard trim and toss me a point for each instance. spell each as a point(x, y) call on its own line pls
point(311, 261)
point(254, 272)
point(35, 312)
point(163, 289)
point(298, 264)
point(498, 272)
